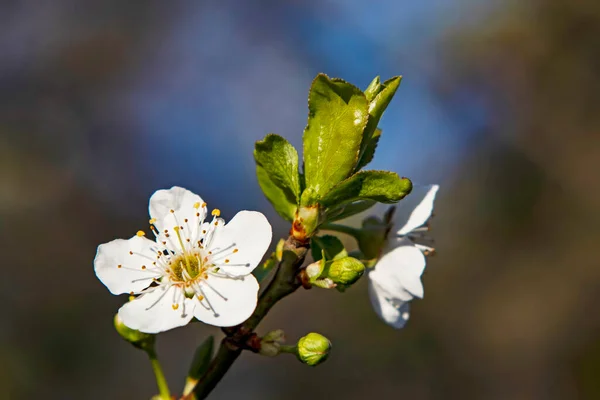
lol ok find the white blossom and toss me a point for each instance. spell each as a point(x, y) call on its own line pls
point(396, 278)
point(193, 268)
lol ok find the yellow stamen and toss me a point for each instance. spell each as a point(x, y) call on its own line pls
point(175, 306)
point(176, 229)
point(131, 297)
point(140, 233)
point(216, 212)
point(153, 220)
point(200, 297)
point(196, 205)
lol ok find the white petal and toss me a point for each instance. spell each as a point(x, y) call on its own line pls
point(415, 209)
point(155, 312)
point(250, 233)
point(123, 272)
point(399, 271)
point(395, 314)
point(183, 203)
point(228, 301)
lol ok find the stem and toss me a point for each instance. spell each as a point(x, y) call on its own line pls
point(284, 283)
point(161, 382)
point(348, 230)
point(288, 349)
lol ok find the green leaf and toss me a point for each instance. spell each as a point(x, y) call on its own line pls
point(381, 186)
point(373, 89)
point(329, 246)
point(202, 358)
point(280, 161)
point(349, 209)
point(282, 200)
point(337, 116)
point(369, 151)
point(264, 269)
point(384, 94)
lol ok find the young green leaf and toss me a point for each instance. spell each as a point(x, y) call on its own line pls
point(383, 95)
point(279, 159)
point(329, 245)
point(282, 200)
point(381, 186)
point(369, 151)
point(200, 363)
point(348, 209)
point(337, 116)
point(373, 89)
point(264, 269)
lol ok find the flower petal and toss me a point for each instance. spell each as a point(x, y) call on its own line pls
point(240, 245)
point(125, 266)
point(399, 271)
point(186, 205)
point(227, 301)
point(395, 314)
point(415, 209)
point(158, 310)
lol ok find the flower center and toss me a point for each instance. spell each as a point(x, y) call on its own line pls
point(186, 266)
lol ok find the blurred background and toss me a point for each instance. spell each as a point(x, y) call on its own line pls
point(101, 103)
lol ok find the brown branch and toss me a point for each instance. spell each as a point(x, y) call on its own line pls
point(284, 283)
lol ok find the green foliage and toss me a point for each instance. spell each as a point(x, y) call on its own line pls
point(340, 139)
point(264, 269)
point(373, 89)
point(369, 151)
point(329, 246)
point(348, 209)
point(381, 186)
point(338, 114)
point(282, 200)
point(280, 161)
point(201, 359)
point(380, 96)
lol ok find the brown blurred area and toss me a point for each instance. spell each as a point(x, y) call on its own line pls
point(510, 299)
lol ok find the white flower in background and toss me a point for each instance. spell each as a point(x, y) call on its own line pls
point(192, 269)
point(396, 278)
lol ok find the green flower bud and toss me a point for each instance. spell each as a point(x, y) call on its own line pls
point(314, 270)
point(313, 349)
point(345, 271)
point(139, 339)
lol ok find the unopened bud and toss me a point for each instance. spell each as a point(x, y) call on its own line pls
point(345, 271)
point(314, 270)
point(138, 339)
point(313, 349)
